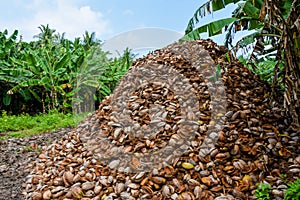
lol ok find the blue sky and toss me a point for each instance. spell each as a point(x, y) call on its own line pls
point(107, 18)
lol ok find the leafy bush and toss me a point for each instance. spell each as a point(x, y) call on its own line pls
point(293, 192)
point(263, 191)
point(114, 71)
point(54, 73)
point(264, 68)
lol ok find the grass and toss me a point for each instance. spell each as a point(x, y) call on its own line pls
point(12, 126)
point(263, 191)
point(292, 193)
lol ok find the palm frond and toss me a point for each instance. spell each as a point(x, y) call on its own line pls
point(206, 9)
point(212, 28)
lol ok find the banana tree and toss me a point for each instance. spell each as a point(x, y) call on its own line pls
point(55, 71)
point(273, 23)
point(90, 67)
point(9, 47)
point(244, 17)
point(89, 40)
point(5, 45)
point(40, 71)
point(114, 72)
point(46, 35)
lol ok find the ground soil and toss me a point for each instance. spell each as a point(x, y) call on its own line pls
point(15, 154)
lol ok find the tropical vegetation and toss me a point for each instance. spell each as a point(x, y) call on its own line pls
point(292, 193)
point(24, 125)
point(56, 74)
point(273, 39)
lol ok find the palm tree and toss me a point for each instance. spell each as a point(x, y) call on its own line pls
point(276, 23)
point(90, 40)
point(60, 38)
point(46, 35)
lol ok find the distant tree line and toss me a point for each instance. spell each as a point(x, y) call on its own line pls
point(55, 73)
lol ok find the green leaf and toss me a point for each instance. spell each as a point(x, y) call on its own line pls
point(286, 9)
point(248, 39)
point(205, 9)
point(36, 96)
point(73, 92)
point(293, 191)
point(25, 94)
point(104, 78)
point(251, 10)
point(212, 28)
point(64, 60)
point(14, 35)
point(254, 24)
point(218, 5)
point(104, 89)
point(45, 81)
point(92, 83)
point(58, 72)
point(43, 64)
point(6, 99)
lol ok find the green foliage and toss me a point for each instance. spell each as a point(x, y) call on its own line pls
point(263, 191)
point(85, 78)
point(268, 26)
point(293, 191)
point(54, 73)
point(257, 16)
point(244, 17)
point(212, 28)
point(265, 68)
point(114, 71)
point(24, 125)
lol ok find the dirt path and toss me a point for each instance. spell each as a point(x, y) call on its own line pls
point(15, 156)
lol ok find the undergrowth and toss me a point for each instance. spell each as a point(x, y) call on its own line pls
point(292, 193)
point(25, 125)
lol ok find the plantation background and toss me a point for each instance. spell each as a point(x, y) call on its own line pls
point(54, 73)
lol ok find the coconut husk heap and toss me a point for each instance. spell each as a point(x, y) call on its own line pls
point(186, 122)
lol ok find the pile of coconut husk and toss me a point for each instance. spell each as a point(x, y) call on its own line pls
point(186, 122)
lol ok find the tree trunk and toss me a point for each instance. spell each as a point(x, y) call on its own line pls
point(291, 37)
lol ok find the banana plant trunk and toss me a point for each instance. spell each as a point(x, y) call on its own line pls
point(54, 98)
point(292, 64)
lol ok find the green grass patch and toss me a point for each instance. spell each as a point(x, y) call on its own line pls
point(293, 192)
point(263, 191)
point(24, 125)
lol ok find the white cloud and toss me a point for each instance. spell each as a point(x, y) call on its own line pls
point(63, 16)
